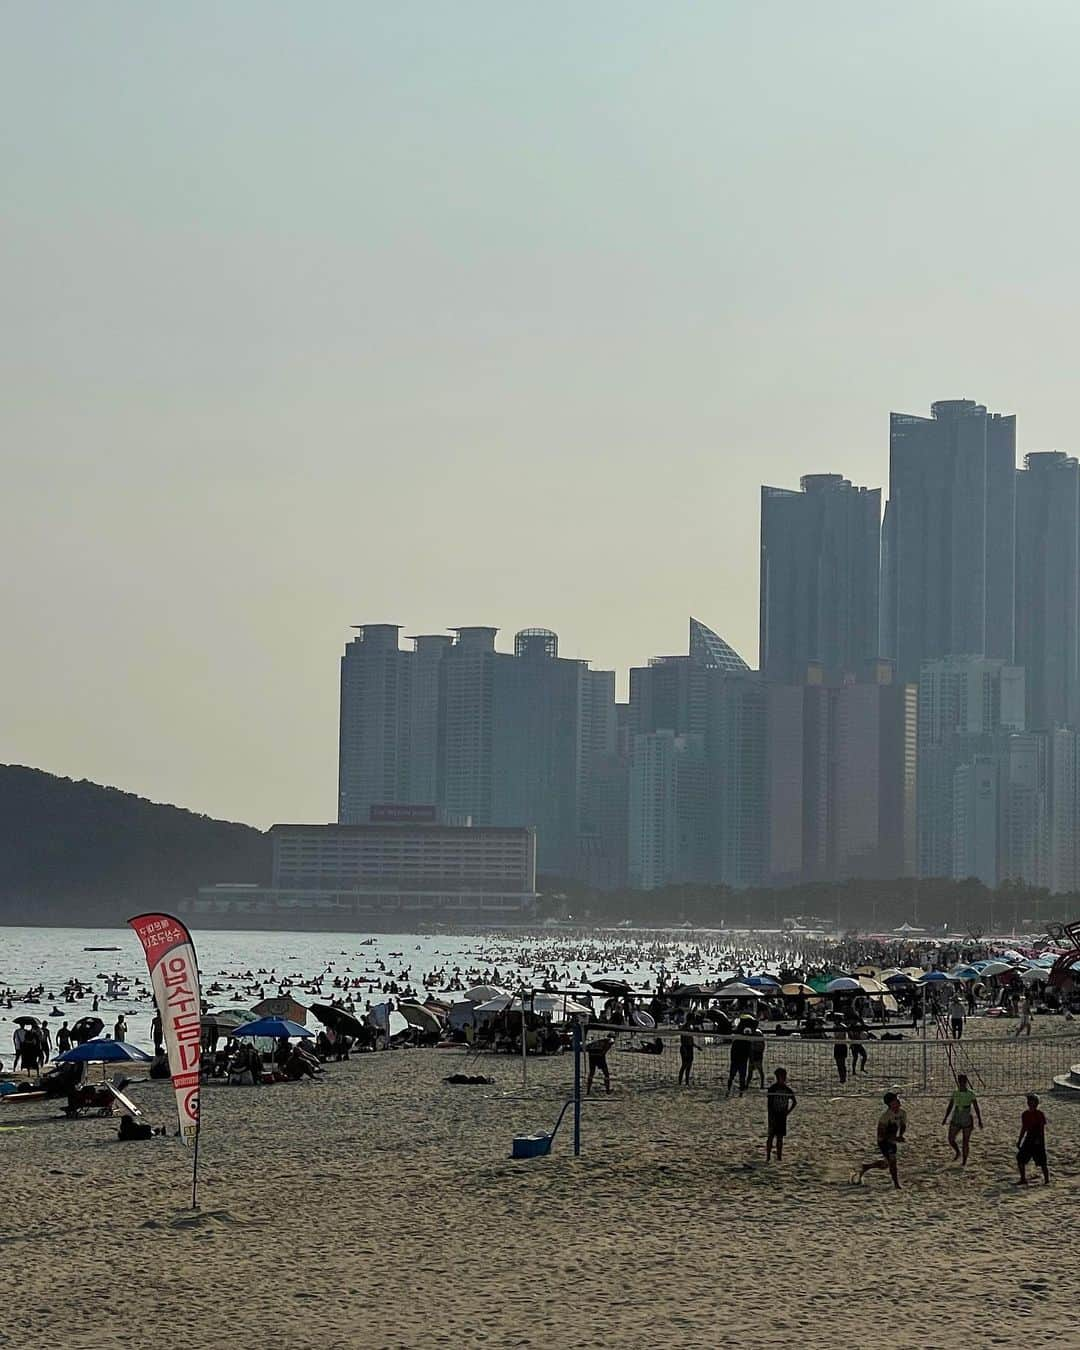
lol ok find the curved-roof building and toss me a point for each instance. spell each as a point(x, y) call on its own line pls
point(709, 649)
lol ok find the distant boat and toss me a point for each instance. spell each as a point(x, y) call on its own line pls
point(101, 949)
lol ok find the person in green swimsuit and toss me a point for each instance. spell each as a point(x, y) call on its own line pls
point(963, 1104)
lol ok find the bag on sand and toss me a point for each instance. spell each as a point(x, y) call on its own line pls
point(130, 1128)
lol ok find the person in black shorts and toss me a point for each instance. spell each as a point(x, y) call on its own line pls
point(840, 1051)
point(891, 1128)
point(781, 1102)
point(597, 1055)
point(1031, 1146)
point(686, 1050)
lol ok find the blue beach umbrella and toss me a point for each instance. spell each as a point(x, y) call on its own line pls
point(273, 1028)
point(935, 977)
point(102, 1052)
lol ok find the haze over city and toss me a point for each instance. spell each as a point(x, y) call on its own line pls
point(429, 315)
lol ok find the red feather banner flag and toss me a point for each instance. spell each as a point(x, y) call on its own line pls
point(174, 975)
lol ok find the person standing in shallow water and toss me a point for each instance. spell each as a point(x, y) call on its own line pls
point(781, 1102)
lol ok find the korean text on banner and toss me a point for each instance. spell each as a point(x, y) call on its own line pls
point(174, 976)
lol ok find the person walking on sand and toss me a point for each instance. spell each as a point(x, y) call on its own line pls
point(956, 1016)
point(840, 1051)
point(961, 1105)
point(1031, 1146)
point(781, 1102)
point(686, 1051)
point(119, 1031)
point(856, 1031)
point(739, 1062)
point(1023, 1027)
point(596, 1052)
point(891, 1129)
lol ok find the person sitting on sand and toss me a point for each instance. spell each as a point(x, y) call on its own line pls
point(891, 1129)
point(1031, 1146)
point(961, 1105)
point(597, 1055)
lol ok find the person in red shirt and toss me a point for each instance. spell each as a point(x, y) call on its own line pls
point(1031, 1146)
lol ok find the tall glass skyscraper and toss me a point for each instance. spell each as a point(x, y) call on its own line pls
point(819, 578)
point(948, 536)
point(1047, 593)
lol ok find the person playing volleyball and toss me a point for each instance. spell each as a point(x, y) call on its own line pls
point(891, 1128)
point(961, 1105)
point(596, 1052)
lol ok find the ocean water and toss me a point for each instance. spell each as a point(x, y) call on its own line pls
point(51, 957)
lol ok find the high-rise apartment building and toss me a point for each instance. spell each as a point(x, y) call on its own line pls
point(1048, 588)
point(841, 777)
point(818, 601)
point(375, 729)
point(666, 828)
point(948, 537)
point(968, 706)
point(519, 736)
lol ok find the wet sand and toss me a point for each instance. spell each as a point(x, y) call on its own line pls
point(380, 1209)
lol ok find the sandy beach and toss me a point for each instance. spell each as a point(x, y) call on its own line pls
point(379, 1208)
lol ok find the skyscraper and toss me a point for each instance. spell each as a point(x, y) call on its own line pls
point(968, 705)
point(667, 844)
point(520, 735)
point(374, 727)
point(1047, 591)
point(818, 600)
point(948, 536)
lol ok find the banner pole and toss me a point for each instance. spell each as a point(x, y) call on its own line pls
point(195, 1161)
point(577, 1088)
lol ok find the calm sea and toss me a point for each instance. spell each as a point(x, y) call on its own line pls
point(50, 957)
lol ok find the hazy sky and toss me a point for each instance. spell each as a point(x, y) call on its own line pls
point(449, 313)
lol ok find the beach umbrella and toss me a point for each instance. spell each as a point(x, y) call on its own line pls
point(338, 1020)
point(935, 977)
point(482, 993)
point(899, 981)
point(420, 1017)
point(844, 985)
point(738, 990)
point(871, 985)
point(996, 967)
point(228, 1019)
point(688, 991)
point(25, 1021)
point(964, 973)
point(607, 986)
point(1035, 975)
point(273, 1028)
point(86, 1028)
point(797, 990)
point(762, 982)
point(102, 1052)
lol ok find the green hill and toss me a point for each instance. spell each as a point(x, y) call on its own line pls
point(78, 853)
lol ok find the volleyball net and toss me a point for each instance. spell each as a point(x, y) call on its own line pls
point(1002, 1065)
